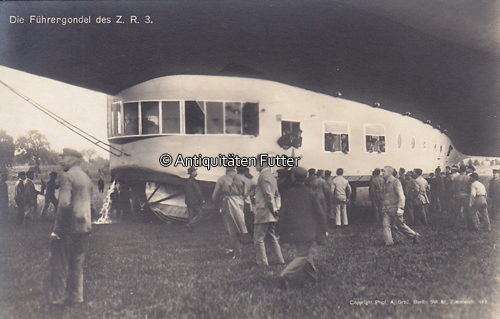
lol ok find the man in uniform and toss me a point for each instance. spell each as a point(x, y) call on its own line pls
point(393, 209)
point(194, 198)
point(50, 194)
point(19, 198)
point(494, 194)
point(229, 193)
point(72, 228)
point(267, 204)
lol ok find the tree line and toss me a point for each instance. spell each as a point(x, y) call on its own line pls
point(34, 149)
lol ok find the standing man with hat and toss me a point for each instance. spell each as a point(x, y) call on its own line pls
point(71, 231)
point(494, 193)
point(194, 198)
point(50, 194)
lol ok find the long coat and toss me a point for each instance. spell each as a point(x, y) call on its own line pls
point(74, 209)
point(301, 216)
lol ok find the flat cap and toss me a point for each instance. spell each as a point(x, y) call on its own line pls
point(192, 169)
point(71, 152)
point(496, 171)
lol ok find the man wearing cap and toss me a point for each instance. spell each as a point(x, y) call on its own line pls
point(494, 193)
point(267, 204)
point(393, 209)
point(19, 198)
point(302, 222)
point(229, 192)
point(478, 203)
point(50, 194)
point(72, 228)
point(194, 198)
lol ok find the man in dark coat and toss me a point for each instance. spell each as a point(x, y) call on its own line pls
point(460, 189)
point(50, 194)
point(494, 193)
point(100, 184)
point(72, 228)
point(4, 198)
point(376, 192)
point(194, 198)
point(302, 222)
point(19, 198)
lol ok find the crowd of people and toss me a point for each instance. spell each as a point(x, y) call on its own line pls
point(300, 206)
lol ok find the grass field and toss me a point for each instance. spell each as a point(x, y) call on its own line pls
point(142, 270)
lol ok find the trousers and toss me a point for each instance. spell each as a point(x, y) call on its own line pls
point(67, 256)
point(261, 233)
point(303, 260)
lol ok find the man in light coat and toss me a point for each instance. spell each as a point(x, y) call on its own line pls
point(341, 192)
point(229, 193)
point(267, 204)
point(72, 228)
point(421, 200)
point(393, 209)
point(478, 203)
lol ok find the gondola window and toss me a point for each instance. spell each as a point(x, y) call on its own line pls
point(291, 135)
point(215, 117)
point(150, 117)
point(171, 117)
point(336, 137)
point(251, 119)
point(131, 115)
point(375, 138)
point(195, 117)
point(233, 118)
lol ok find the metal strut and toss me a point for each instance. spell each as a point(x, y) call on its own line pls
point(94, 140)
